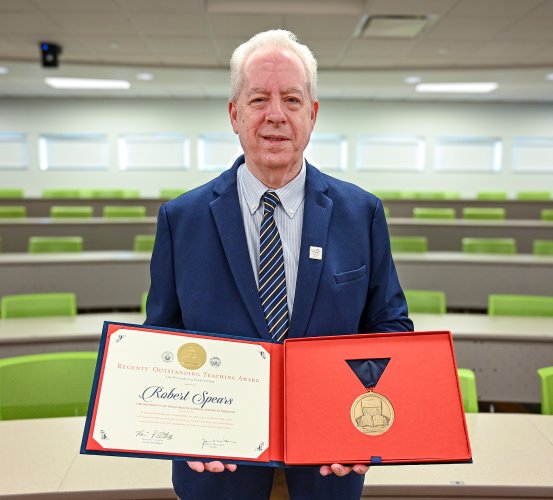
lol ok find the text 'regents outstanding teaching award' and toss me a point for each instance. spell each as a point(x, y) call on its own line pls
point(386, 398)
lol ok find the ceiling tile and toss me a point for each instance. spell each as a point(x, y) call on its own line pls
point(15, 5)
point(493, 8)
point(191, 60)
point(181, 46)
point(467, 28)
point(443, 48)
point(27, 23)
point(171, 24)
point(76, 5)
point(382, 48)
point(93, 23)
point(243, 25)
point(321, 26)
point(508, 49)
point(164, 6)
point(409, 7)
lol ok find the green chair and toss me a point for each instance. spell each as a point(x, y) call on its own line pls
point(547, 214)
point(520, 305)
point(425, 301)
point(430, 195)
point(62, 212)
point(131, 193)
point(484, 213)
point(143, 301)
point(534, 195)
point(47, 244)
point(408, 195)
point(386, 212)
point(61, 193)
point(492, 195)
point(490, 245)
point(170, 193)
point(546, 376)
point(452, 195)
point(106, 193)
point(433, 213)
point(409, 243)
point(467, 381)
point(11, 193)
point(124, 211)
point(542, 247)
point(46, 385)
point(38, 304)
point(388, 195)
point(13, 211)
point(144, 242)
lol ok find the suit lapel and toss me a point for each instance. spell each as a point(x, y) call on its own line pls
point(228, 220)
point(316, 220)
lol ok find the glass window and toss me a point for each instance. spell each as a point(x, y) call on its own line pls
point(154, 152)
point(533, 154)
point(14, 152)
point(73, 151)
point(468, 154)
point(328, 151)
point(390, 153)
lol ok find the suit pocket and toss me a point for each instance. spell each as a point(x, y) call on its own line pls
point(350, 275)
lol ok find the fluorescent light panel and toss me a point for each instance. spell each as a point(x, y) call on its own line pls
point(87, 84)
point(549, 77)
point(460, 88)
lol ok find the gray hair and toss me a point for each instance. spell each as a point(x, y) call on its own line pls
point(272, 39)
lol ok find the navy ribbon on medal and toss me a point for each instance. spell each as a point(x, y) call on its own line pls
point(368, 371)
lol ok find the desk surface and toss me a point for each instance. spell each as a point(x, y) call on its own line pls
point(512, 455)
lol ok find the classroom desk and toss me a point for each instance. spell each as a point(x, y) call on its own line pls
point(512, 456)
point(504, 352)
point(446, 235)
point(515, 209)
point(40, 207)
point(21, 336)
point(112, 279)
point(468, 279)
point(101, 280)
point(99, 233)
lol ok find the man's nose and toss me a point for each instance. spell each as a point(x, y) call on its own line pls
point(275, 112)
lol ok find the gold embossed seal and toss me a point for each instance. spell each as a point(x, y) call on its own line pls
point(191, 356)
point(372, 413)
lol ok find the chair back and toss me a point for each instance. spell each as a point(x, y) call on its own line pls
point(77, 212)
point(61, 193)
point(490, 245)
point(143, 301)
point(409, 243)
point(11, 193)
point(546, 378)
point(170, 193)
point(520, 305)
point(13, 212)
point(47, 244)
point(484, 213)
point(426, 301)
point(492, 195)
point(542, 247)
point(433, 213)
point(547, 214)
point(534, 195)
point(46, 385)
point(144, 242)
point(467, 381)
point(124, 211)
point(38, 304)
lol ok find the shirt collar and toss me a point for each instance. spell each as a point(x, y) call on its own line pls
point(291, 195)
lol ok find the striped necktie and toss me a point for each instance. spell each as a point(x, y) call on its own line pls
point(272, 279)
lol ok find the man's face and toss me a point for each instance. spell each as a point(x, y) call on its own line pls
point(273, 115)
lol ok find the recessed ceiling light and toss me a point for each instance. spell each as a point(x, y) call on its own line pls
point(145, 77)
point(87, 84)
point(3, 70)
point(549, 76)
point(413, 79)
point(461, 88)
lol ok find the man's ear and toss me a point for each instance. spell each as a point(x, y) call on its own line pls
point(233, 114)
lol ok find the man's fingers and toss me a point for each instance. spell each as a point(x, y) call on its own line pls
point(214, 466)
point(342, 470)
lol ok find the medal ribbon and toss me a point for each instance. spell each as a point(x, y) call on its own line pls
point(368, 371)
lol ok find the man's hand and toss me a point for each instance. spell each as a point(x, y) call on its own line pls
point(211, 466)
point(342, 470)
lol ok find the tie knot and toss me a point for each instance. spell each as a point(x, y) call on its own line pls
point(270, 201)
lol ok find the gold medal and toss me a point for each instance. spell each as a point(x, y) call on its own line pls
point(372, 413)
point(191, 356)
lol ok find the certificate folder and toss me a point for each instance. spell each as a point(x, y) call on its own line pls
point(387, 398)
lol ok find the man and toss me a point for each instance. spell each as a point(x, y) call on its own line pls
point(273, 248)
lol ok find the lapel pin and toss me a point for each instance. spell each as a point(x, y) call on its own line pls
point(316, 253)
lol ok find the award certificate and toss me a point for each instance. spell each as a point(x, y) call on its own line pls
point(164, 393)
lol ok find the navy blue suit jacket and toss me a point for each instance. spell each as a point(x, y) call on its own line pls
point(202, 278)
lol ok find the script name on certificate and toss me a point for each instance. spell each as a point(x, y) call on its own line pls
point(183, 394)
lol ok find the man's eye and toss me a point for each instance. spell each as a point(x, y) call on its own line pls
point(293, 100)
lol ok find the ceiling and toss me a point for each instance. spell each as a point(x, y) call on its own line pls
point(186, 45)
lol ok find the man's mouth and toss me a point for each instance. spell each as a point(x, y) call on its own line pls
point(275, 138)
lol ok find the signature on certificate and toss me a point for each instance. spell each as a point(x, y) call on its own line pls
point(213, 444)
